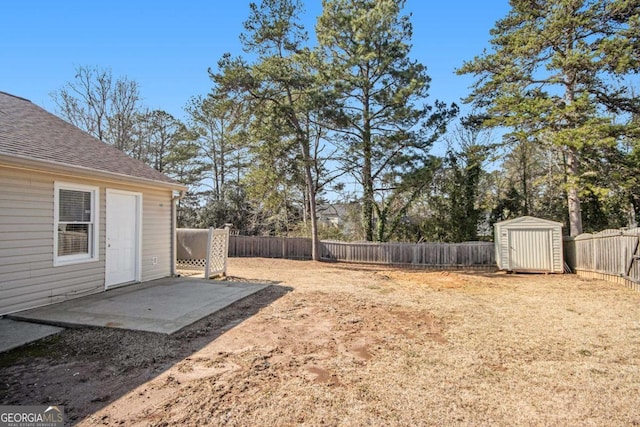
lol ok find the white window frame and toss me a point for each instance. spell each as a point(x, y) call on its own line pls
point(94, 230)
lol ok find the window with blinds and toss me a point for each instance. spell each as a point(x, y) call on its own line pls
point(75, 227)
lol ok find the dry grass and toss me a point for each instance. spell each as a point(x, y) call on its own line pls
point(354, 345)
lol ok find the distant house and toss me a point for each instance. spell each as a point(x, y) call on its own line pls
point(77, 216)
point(339, 215)
point(332, 214)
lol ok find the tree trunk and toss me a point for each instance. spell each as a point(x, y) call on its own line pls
point(525, 178)
point(311, 194)
point(573, 199)
point(222, 172)
point(381, 225)
point(367, 179)
point(315, 246)
point(367, 197)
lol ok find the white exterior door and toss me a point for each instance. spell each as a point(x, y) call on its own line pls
point(530, 250)
point(123, 237)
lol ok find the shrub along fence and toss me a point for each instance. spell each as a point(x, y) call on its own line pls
point(422, 255)
point(611, 255)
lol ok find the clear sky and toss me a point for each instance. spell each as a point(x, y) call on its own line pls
point(167, 47)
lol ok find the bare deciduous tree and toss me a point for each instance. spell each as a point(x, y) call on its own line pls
point(101, 106)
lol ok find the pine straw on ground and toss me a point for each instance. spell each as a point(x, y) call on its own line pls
point(358, 345)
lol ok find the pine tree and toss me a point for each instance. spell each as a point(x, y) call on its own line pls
point(382, 126)
point(280, 86)
point(551, 71)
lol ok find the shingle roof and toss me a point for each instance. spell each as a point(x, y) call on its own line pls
point(29, 131)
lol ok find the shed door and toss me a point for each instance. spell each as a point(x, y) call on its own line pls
point(123, 241)
point(530, 250)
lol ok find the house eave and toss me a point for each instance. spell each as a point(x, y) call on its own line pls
point(47, 166)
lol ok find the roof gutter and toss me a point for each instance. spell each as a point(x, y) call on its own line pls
point(174, 233)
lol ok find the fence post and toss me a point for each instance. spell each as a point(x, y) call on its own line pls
point(226, 250)
point(207, 262)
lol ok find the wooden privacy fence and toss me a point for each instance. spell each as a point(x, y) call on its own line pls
point(270, 247)
point(611, 255)
point(434, 255)
point(426, 255)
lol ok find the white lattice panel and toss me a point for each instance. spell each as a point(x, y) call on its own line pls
point(191, 264)
point(218, 249)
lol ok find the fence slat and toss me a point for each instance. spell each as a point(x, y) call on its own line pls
point(612, 254)
point(445, 255)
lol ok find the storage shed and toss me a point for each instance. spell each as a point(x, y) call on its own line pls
point(529, 244)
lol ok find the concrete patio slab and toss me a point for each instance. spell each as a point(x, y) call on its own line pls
point(164, 305)
point(14, 333)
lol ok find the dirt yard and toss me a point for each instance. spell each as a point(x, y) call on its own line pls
point(348, 345)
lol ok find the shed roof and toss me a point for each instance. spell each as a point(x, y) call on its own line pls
point(27, 131)
point(529, 219)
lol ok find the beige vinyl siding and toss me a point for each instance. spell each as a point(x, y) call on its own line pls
point(28, 278)
point(558, 250)
point(156, 234)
